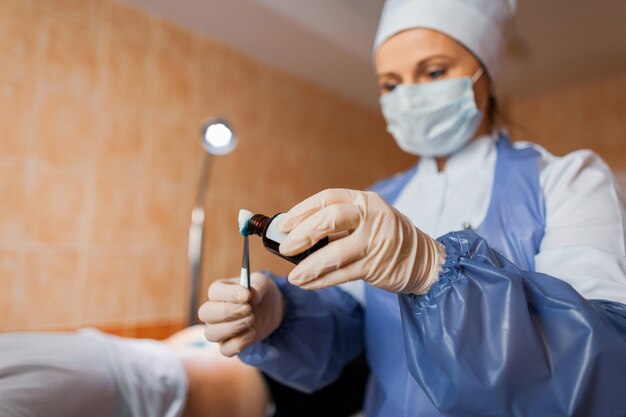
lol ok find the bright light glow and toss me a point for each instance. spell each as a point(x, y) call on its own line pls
point(218, 138)
point(218, 135)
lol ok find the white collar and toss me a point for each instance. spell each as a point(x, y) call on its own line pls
point(471, 158)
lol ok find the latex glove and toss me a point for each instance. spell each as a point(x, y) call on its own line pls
point(236, 317)
point(383, 246)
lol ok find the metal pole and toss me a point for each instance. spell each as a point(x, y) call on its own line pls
point(196, 232)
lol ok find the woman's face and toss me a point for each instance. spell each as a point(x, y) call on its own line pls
point(425, 55)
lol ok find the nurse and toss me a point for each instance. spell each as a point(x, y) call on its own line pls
point(517, 308)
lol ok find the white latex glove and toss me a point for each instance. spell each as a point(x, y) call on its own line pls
point(383, 246)
point(236, 317)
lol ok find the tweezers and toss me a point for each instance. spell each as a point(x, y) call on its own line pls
point(244, 278)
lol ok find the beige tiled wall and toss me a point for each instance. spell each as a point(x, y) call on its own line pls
point(590, 115)
point(100, 108)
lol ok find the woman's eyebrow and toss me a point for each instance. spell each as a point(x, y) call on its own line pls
point(419, 65)
point(387, 74)
point(426, 61)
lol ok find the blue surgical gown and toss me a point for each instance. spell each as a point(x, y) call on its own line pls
point(490, 338)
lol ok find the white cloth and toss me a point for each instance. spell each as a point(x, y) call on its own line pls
point(584, 241)
point(88, 374)
point(480, 25)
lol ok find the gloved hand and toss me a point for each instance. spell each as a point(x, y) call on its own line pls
point(382, 247)
point(236, 317)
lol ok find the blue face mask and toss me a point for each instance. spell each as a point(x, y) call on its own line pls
point(433, 119)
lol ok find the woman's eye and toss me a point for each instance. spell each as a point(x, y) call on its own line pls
point(435, 74)
point(388, 87)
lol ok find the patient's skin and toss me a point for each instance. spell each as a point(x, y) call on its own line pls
point(217, 385)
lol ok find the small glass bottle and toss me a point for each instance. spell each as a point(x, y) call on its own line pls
point(267, 229)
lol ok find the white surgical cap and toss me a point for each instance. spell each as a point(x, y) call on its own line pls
point(480, 25)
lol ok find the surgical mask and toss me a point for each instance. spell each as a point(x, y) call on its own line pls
point(433, 119)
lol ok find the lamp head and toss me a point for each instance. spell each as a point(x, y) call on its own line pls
point(218, 137)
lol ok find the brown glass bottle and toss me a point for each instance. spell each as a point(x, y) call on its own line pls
point(265, 227)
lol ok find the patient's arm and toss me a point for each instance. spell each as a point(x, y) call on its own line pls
point(218, 386)
point(88, 373)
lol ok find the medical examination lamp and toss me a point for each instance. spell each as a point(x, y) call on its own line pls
point(217, 139)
